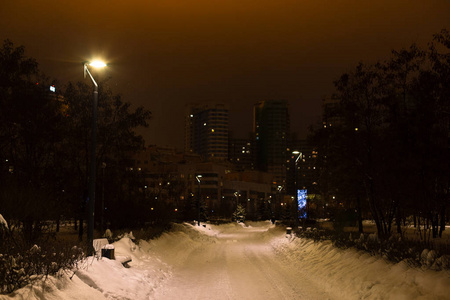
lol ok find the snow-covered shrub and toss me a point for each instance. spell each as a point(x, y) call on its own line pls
point(3, 223)
point(428, 257)
point(239, 214)
point(19, 267)
point(143, 233)
point(108, 235)
point(394, 249)
point(442, 263)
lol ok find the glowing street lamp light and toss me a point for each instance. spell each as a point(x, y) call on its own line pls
point(92, 175)
point(198, 198)
point(97, 64)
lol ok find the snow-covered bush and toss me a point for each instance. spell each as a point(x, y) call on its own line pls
point(3, 223)
point(394, 248)
point(19, 267)
point(144, 233)
point(239, 214)
point(3, 228)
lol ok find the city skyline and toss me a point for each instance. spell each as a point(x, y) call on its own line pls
point(165, 55)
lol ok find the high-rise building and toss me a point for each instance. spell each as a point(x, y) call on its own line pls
point(271, 126)
point(330, 107)
point(206, 130)
point(242, 153)
point(301, 171)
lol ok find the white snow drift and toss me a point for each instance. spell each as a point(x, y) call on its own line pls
point(242, 262)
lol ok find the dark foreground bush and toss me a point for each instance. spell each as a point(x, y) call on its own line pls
point(139, 233)
point(20, 267)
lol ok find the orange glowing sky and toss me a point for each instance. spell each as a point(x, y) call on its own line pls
point(166, 53)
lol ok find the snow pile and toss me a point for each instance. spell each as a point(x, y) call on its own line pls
point(3, 222)
point(103, 278)
point(117, 282)
point(343, 274)
point(352, 274)
point(176, 245)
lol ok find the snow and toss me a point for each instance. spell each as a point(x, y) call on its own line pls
point(351, 274)
point(236, 261)
point(3, 222)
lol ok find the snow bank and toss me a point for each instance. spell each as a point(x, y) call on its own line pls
point(352, 274)
point(344, 274)
point(176, 245)
point(103, 278)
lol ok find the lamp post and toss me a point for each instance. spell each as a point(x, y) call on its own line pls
point(198, 199)
point(103, 198)
point(299, 156)
point(235, 214)
point(92, 173)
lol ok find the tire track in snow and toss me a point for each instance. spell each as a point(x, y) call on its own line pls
point(242, 265)
point(291, 281)
point(202, 276)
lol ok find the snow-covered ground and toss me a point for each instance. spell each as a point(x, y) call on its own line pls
point(232, 261)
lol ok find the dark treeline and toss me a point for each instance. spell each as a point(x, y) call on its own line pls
point(45, 142)
point(384, 143)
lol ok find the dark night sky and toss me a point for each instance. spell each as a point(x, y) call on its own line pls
point(166, 53)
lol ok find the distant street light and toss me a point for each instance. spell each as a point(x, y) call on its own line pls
point(90, 233)
point(198, 199)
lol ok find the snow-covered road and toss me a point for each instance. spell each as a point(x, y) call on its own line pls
point(233, 261)
point(238, 265)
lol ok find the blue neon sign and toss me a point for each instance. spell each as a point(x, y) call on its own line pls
point(301, 200)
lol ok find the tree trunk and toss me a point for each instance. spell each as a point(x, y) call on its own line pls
point(398, 221)
point(442, 227)
point(434, 224)
point(418, 226)
point(80, 229)
point(360, 224)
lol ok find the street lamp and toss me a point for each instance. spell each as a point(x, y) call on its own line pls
point(90, 233)
point(198, 198)
point(103, 198)
point(299, 156)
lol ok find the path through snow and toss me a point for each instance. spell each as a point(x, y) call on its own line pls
point(239, 264)
point(231, 261)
